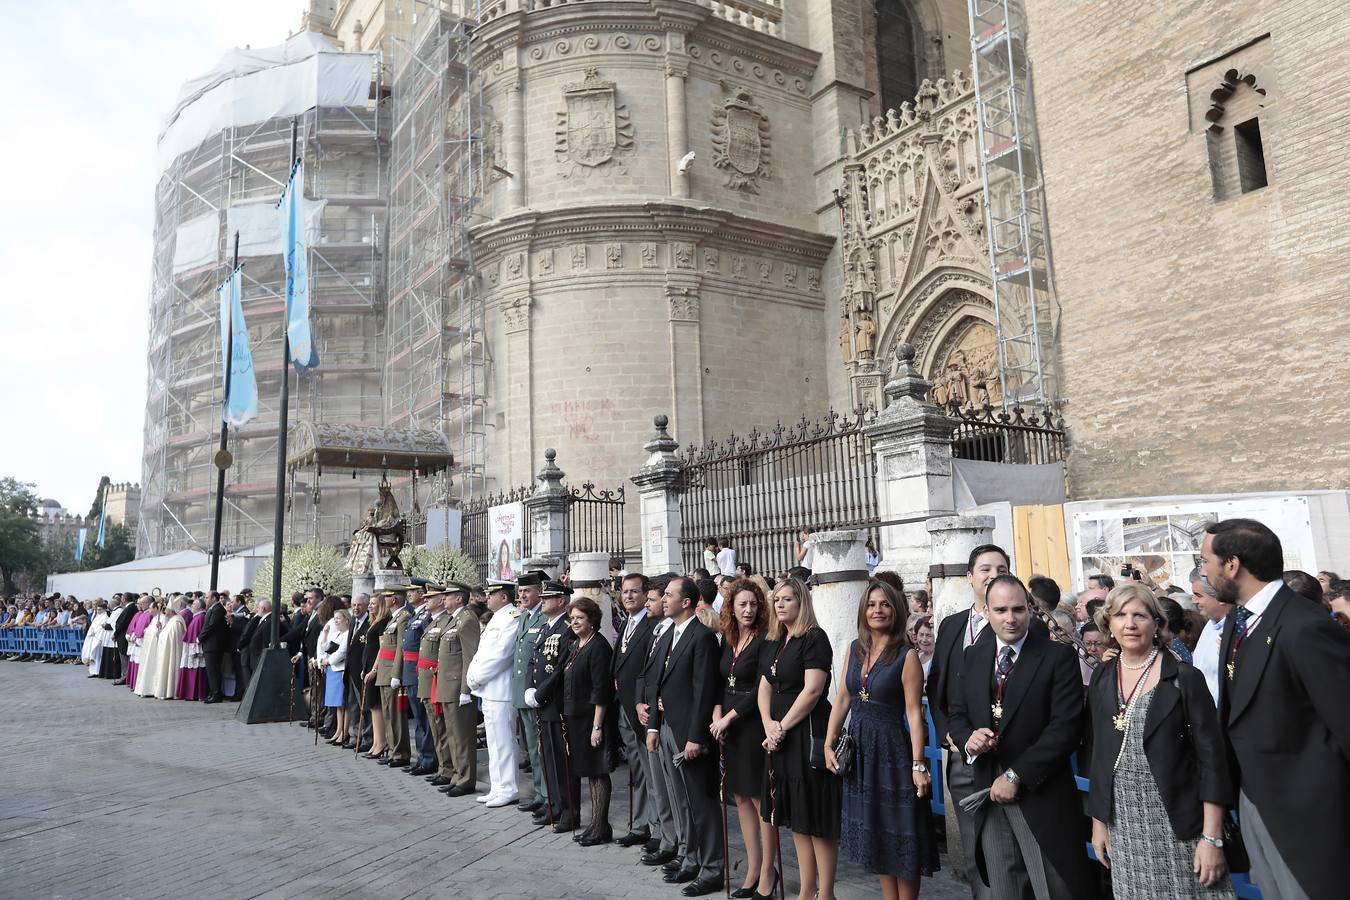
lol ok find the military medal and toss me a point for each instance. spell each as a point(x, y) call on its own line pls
point(735, 658)
point(1232, 669)
point(731, 679)
point(997, 709)
point(1122, 701)
point(864, 694)
point(773, 667)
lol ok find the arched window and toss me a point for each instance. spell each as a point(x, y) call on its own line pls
point(900, 60)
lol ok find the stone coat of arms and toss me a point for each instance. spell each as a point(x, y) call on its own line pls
point(594, 131)
point(741, 142)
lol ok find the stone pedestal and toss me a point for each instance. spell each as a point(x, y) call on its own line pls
point(659, 521)
point(590, 578)
point(953, 537)
point(550, 565)
point(388, 578)
point(839, 577)
point(912, 440)
point(363, 584)
point(547, 512)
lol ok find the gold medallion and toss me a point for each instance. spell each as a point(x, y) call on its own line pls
point(864, 696)
point(997, 710)
point(1119, 721)
point(731, 681)
point(1231, 670)
point(773, 669)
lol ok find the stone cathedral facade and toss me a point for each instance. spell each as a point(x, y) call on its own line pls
point(732, 212)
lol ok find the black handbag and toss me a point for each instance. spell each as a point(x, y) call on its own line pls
point(817, 751)
point(844, 748)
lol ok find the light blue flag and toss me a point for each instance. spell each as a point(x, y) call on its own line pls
point(102, 520)
point(292, 208)
point(79, 543)
point(242, 403)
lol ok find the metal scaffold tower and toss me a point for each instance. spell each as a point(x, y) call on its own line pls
point(222, 173)
point(436, 369)
point(1025, 306)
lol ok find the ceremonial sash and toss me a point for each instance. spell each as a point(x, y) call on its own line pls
point(386, 654)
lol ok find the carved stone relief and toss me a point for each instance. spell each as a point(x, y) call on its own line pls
point(648, 254)
point(614, 256)
point(544, 262)
point(594, 132)
point(578, 257)
point(683, 254)
point(683, 305)
point(516, 315)
point(741, 142)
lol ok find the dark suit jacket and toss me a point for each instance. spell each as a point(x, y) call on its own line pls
point(947, 661)
point(1181, 742)
point(546, 668)
point(238, 625)
point(627, 666)
point(294, 636)
point(312, 637)
point(587, 682)
point(123, 623)
point(1288, 732)
point(356, 651)
point(687, 683)
point(1041, 728)
point(259, 637)
point(215, 634)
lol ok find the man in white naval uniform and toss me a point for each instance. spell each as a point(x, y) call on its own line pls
point(489, 679)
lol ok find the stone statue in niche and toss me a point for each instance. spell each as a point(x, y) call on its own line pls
point(846, 340)
point(741, 142)
point(867, 331)
point(969, 372)
point(594, 132)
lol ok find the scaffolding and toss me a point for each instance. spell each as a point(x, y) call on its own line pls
point(435, 371)
point(1026, 309)
point(228, 181)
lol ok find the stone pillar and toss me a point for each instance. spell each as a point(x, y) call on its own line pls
point(677, 127)
point(547, 512)
point(912, 440)
point(519, 386)
point(838, 578)
point(549, 565)
point(660, 526)
point(515, 141)
point(686, 355)
point(590, 578)
point(953, 537)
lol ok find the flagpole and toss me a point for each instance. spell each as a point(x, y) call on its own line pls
point(223, 459)
point(279, 522)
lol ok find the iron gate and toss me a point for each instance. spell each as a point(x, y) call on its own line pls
point(760, 491)
point(474, 527)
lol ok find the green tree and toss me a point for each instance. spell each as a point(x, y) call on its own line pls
point(116, 549)
point(21, 550)
point(96, 509)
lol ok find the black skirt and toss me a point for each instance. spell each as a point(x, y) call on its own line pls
point(587, 761)
point(745, 754)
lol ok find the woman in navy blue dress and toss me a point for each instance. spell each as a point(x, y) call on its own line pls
point(886, 825)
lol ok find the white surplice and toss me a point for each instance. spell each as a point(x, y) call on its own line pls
point(168, 656)
point(92, 651)
point(149, 658)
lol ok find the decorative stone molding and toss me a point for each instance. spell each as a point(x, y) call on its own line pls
point(578, 257)
point(543, 263)
point(594, 132)
point(515, 266)
point(684, 304)
point(737, 266)
point(813, 280)
point(647, 253)
point(712, 260)
point(568, 44)
point(682, 254)
point(740, 139)
point(789, 276)
point(739, 64)
point(614, 256)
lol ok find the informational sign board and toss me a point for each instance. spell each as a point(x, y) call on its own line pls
point(506, 540)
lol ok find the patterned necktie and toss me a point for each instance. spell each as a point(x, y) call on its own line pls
point(1240, 628)
point(1005, 663)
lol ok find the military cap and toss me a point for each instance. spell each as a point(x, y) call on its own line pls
point(432, 590)
point(529, 579)
point(556, 589)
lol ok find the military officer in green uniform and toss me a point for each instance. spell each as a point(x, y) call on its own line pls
point(458, 646)
point(395, 713)
point(529, 589)
point(428, 650)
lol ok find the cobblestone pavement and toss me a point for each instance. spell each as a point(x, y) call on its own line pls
point(107, 795)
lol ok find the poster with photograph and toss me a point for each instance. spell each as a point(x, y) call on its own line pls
point(506, 540)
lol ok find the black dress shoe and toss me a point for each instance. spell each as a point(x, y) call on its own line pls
point(399, 764)
point(532, 807)
point(120, 681)
point(701, 886)
point(438, 781)
point(349, 744)
point(419, 770)
point(652, 846)
point(369, 755)
point(682, 876)
point(657, 857)
point(744, 893)
point(463, 790)
point(561, 826)
point(633, 838)
point(594, 840)
point(211, 700)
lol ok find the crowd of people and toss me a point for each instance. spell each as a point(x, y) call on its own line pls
point(710, 694)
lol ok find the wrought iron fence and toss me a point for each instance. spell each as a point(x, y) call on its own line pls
point(760, 491)
point(989, 434)
point(475, 530)
point(595, 521)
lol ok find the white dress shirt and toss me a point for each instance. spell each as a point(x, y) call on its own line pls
point(1259, 602)
point(630, 628)
point(1205, 656)
point(975, 622)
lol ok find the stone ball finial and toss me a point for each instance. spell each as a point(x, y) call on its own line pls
point(550, 454)
point(904, 355)
point(661, 422)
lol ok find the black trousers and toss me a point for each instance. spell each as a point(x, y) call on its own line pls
point(213, 664)
point(240, 676)
point(564, 786)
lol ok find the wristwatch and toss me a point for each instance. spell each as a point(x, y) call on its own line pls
point(920, 766)
point(1013, 777)
point(1215, 841)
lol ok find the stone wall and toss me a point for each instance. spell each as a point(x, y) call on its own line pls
point(1203, 341)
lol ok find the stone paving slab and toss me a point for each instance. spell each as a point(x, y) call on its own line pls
point(107, 795)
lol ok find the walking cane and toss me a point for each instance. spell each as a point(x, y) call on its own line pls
point(726, 824)
point(361, 719)
point(773, 820)
point(572, 802)
point(314, 705)
point(630, 792)
point(290, 709)
point(543, 762)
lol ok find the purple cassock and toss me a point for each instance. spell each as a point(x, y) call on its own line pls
point(134, 633)
point(192, 668)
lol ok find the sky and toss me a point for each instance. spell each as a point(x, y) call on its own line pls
point(89, 86)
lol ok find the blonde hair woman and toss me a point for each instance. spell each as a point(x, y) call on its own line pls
point(379, 620)
point(794, 681)
point(1159, 779)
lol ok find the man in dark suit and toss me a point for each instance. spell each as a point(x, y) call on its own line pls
point(358, 727)
point(135, 604)
point(666, 844)
point(257, 637)
point(550, 655)
point(214, 640)
point(680, 703)
point(629, 657)
point(237, 618)
point(1284, 665)
point(1017, 713)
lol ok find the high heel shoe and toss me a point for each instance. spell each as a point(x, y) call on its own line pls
point(773, 888)
point(603, 837)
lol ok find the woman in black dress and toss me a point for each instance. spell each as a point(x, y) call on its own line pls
point(794, 677)
point(379, 620)
point(588, 694)
point(736, 723)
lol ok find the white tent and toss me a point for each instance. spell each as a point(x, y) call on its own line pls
point(186, 570)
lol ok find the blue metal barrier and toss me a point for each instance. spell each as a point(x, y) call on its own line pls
point(63, 642)
point(9, 641)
